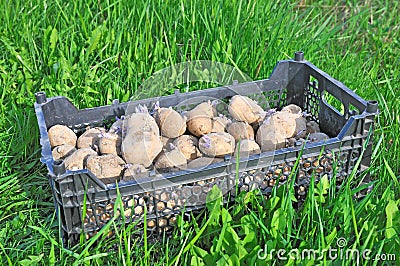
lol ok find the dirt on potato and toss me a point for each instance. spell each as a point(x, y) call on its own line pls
point(108, 168)
point(60, 135)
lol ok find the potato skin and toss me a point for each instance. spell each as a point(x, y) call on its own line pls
point(293, 109)
point(166, 142)
point(203, 109)
point(170, 122)
point(108, 168)
point(199, 119)
point(244, 109)
point(219, 124)
point(142, 143)
point(217, 144)
point(269, 138)
point(134, 172)
point(200, 126)
point(240, 130)
point(77, 160)
point(247, 147)
point(110, 143)
point(141, 147)
point(139, 122)
point(289, 125)
point(187, 145)
point(171, 160)
point(63, 151)
point(60, 135)
point(90, 138)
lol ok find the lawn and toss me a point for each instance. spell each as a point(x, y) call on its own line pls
point(95, 51)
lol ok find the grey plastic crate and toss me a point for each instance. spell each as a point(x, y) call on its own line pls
point(292, 81)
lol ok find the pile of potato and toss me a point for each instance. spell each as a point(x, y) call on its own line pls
point(166, 140)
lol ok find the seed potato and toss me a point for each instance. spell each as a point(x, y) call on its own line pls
point(60, 135)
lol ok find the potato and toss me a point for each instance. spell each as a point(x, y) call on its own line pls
point(134, 171)
point(108, 168)
point(220, 123)
point(171, 160)
point(269, 137)
point(118, 127)
point(293, 109)
point(205, 109)
point(199, 119)
point(247, 147)
point(200, 126)
point(142, 143)
point(317, 136)
point(110, 143)
point(62, 151)
point(141, 147)
point(139, 122)
point(244, 109)
point(90, 138)
point(60, 135)
point(288, 124)
point(77, 160)
point(240, 130)
point(166, 142)
point(187, 145)
point(170, 122)
point(217, 144)
point(312, 127)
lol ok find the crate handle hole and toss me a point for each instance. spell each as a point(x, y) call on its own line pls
point(333, 102)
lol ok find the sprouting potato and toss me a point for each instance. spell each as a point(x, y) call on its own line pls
point(90, 138)
point(269, 137)
point(139, 122)
point(60, 135)
point(134, 172)
point(108, 168)
point(287, 124)
point(142, 143)
point(170, 122)
point(187, 145)
point(119, 127)
point(199, 119)
point(63, 151)
point(244, 109)
point(141, 147)
point(77, 160)
point(166, 142)
point(217, 144)
point(240, 130)
point(110, 143)
point(293, 109)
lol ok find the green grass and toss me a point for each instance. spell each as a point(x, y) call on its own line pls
point(96, 51)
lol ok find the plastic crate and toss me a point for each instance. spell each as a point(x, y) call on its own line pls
point(292, 81)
